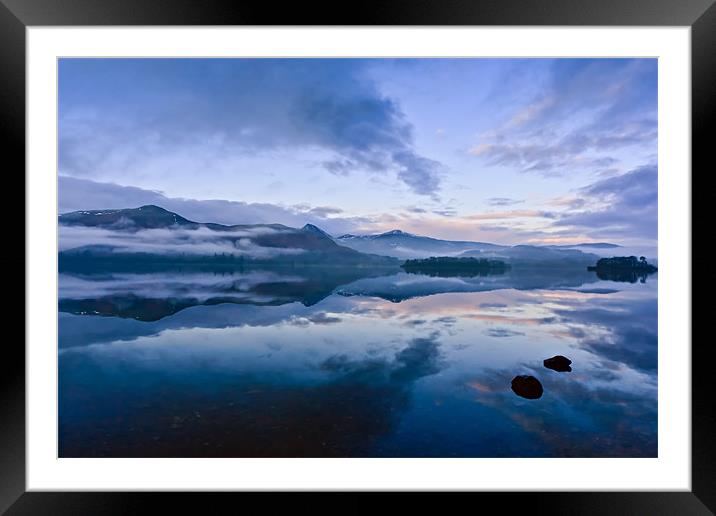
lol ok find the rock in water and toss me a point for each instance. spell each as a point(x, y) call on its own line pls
point(527, 387)
point(558, 363)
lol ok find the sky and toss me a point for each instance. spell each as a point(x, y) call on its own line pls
point(510, 151)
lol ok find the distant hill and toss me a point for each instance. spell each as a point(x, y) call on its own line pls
point(400, 244)
point(408, 246)
point(592, 245)
point(144, 217)
point(132, 236)
point(536, 256)
point(147, 217)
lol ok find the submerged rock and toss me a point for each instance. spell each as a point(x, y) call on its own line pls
point(527, 386)
point(558, 363)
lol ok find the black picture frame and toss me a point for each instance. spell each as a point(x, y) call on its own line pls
point(17, 15)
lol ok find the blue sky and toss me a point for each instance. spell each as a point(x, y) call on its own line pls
point(498, 150)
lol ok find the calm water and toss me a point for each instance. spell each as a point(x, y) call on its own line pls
point(310, 363)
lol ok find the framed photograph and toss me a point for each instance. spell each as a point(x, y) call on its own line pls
point(443, 247)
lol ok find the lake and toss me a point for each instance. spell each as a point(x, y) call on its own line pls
point(354, 363)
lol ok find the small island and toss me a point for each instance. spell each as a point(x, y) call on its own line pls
point(623, 268)
point(447, 266)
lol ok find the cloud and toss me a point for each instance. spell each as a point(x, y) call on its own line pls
point(82, 194)
point(503, 201)
point(493, 305)
point(315, 413)
point(502, 332)
point(539, 157)
point(420, 358)
point(117, 116)
point(446, 212)
point(627, 207)
point(496, 228)
point(586, 110)
point(631, 331)
point(568, 202)
point(77, 194)
point(421, 174)
point(200, 241)
point(317, 318)
point(619, 422)
point(512, 214)
point(325, 211)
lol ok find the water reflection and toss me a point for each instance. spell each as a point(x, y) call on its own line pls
point(441, 272)
point(627, 276)
point(152, 296)
point(354, 364)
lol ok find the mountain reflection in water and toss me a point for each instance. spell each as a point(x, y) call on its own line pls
point(354, 363)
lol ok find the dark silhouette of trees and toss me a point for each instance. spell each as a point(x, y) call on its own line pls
point(446, 266)
point(623, 268)
point(624, 263)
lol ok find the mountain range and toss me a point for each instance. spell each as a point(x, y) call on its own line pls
point(400, 244)
point(151, 235)
point(160, 235)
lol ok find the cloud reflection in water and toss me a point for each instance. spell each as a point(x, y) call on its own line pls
point(365, 376)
